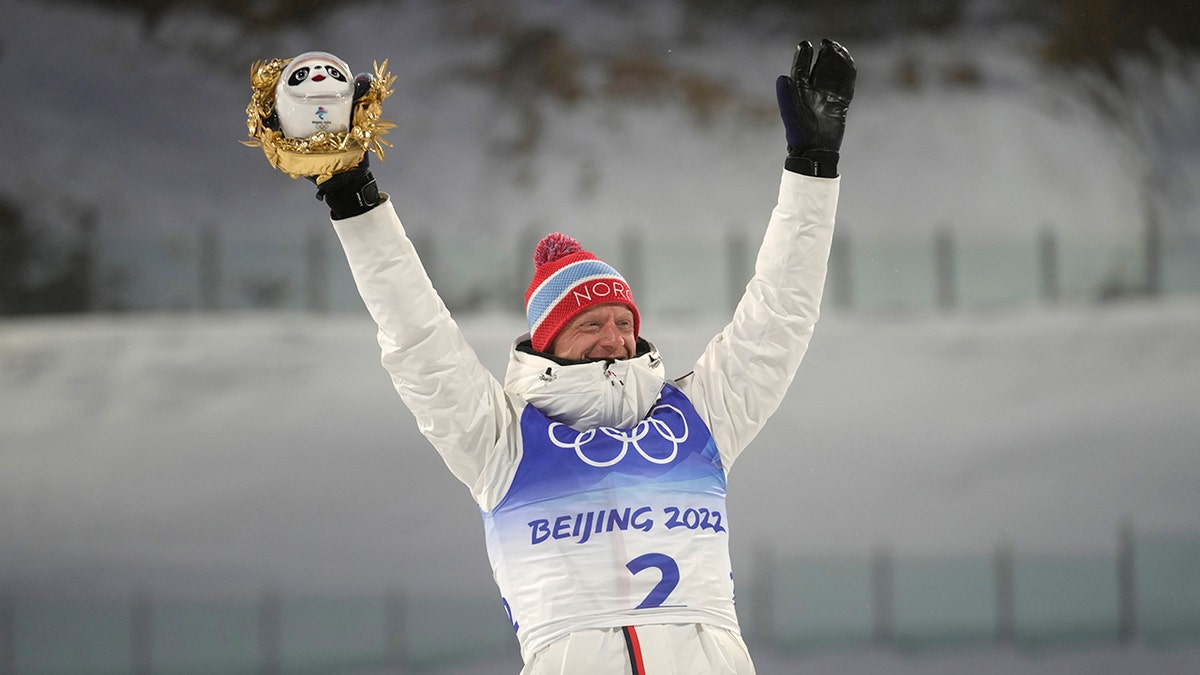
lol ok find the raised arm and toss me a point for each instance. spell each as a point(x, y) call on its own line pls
point(459, 406)
point(312, 121)
point(745, 371)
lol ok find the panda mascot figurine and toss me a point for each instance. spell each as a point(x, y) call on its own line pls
point(314, 94)
point(311, 119)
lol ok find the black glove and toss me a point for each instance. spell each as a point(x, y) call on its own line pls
point(352, 192)
point(349, 193)
point(812, 103)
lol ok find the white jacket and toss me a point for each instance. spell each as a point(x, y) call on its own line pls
point(473, 421)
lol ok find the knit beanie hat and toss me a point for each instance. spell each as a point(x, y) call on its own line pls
point(567, 281)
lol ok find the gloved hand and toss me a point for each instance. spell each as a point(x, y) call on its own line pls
point(812, 103)
point(352, 192)
point(349, 193)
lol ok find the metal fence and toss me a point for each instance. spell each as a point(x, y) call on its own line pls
point(1146, 589)
point(672, 272)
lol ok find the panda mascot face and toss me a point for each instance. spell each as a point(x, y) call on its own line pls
point(315, 93)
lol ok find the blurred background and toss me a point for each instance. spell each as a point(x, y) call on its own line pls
point(989, 460)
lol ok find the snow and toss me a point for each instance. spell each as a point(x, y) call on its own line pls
point(218, 455)
point(271, 449)
point(215, 455)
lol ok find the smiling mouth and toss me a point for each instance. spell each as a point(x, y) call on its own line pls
point(318, 78)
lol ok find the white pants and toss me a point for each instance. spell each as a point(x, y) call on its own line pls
point(660, 649)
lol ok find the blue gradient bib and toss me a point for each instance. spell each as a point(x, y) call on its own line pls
point(607, 527)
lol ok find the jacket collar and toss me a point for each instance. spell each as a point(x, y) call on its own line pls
point(586, 394)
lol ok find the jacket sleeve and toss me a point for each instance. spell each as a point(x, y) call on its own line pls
point(459, 406)
point(746, 369)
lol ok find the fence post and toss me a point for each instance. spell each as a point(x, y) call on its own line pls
point(141, 634)
point(210, 268)
point(90, 260)
point(943, 262)
point(883, 598)
point(764, 594)
point(394, 629)
point(1154, 249)
point(1126, 590)
point(523, 271)
point(8, 634)
point(270, 632)
point(633, 259)
point(318, 270)
point(841, 271)
point(1006, 612)
point(1048, 265)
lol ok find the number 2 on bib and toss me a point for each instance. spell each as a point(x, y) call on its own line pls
point(670, 577)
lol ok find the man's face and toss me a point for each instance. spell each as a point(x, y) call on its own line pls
point(602, 332)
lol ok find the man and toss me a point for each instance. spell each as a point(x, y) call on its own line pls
point(601, 482)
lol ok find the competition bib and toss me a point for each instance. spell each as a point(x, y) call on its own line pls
point(608, 527)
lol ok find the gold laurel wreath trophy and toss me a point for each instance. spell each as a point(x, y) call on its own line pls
point(319, 98)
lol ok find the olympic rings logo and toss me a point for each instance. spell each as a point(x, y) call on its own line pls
point(632, 438)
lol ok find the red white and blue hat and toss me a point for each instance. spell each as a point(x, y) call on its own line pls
point(567, 281)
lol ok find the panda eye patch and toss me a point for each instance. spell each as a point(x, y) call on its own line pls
point(300, 75)
point(335, 73)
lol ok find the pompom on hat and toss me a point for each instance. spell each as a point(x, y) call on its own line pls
point(568, 281)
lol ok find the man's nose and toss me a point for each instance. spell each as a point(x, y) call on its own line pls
point(610, 334)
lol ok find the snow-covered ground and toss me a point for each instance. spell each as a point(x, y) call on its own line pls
point(234, 451)
point(215, 456)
